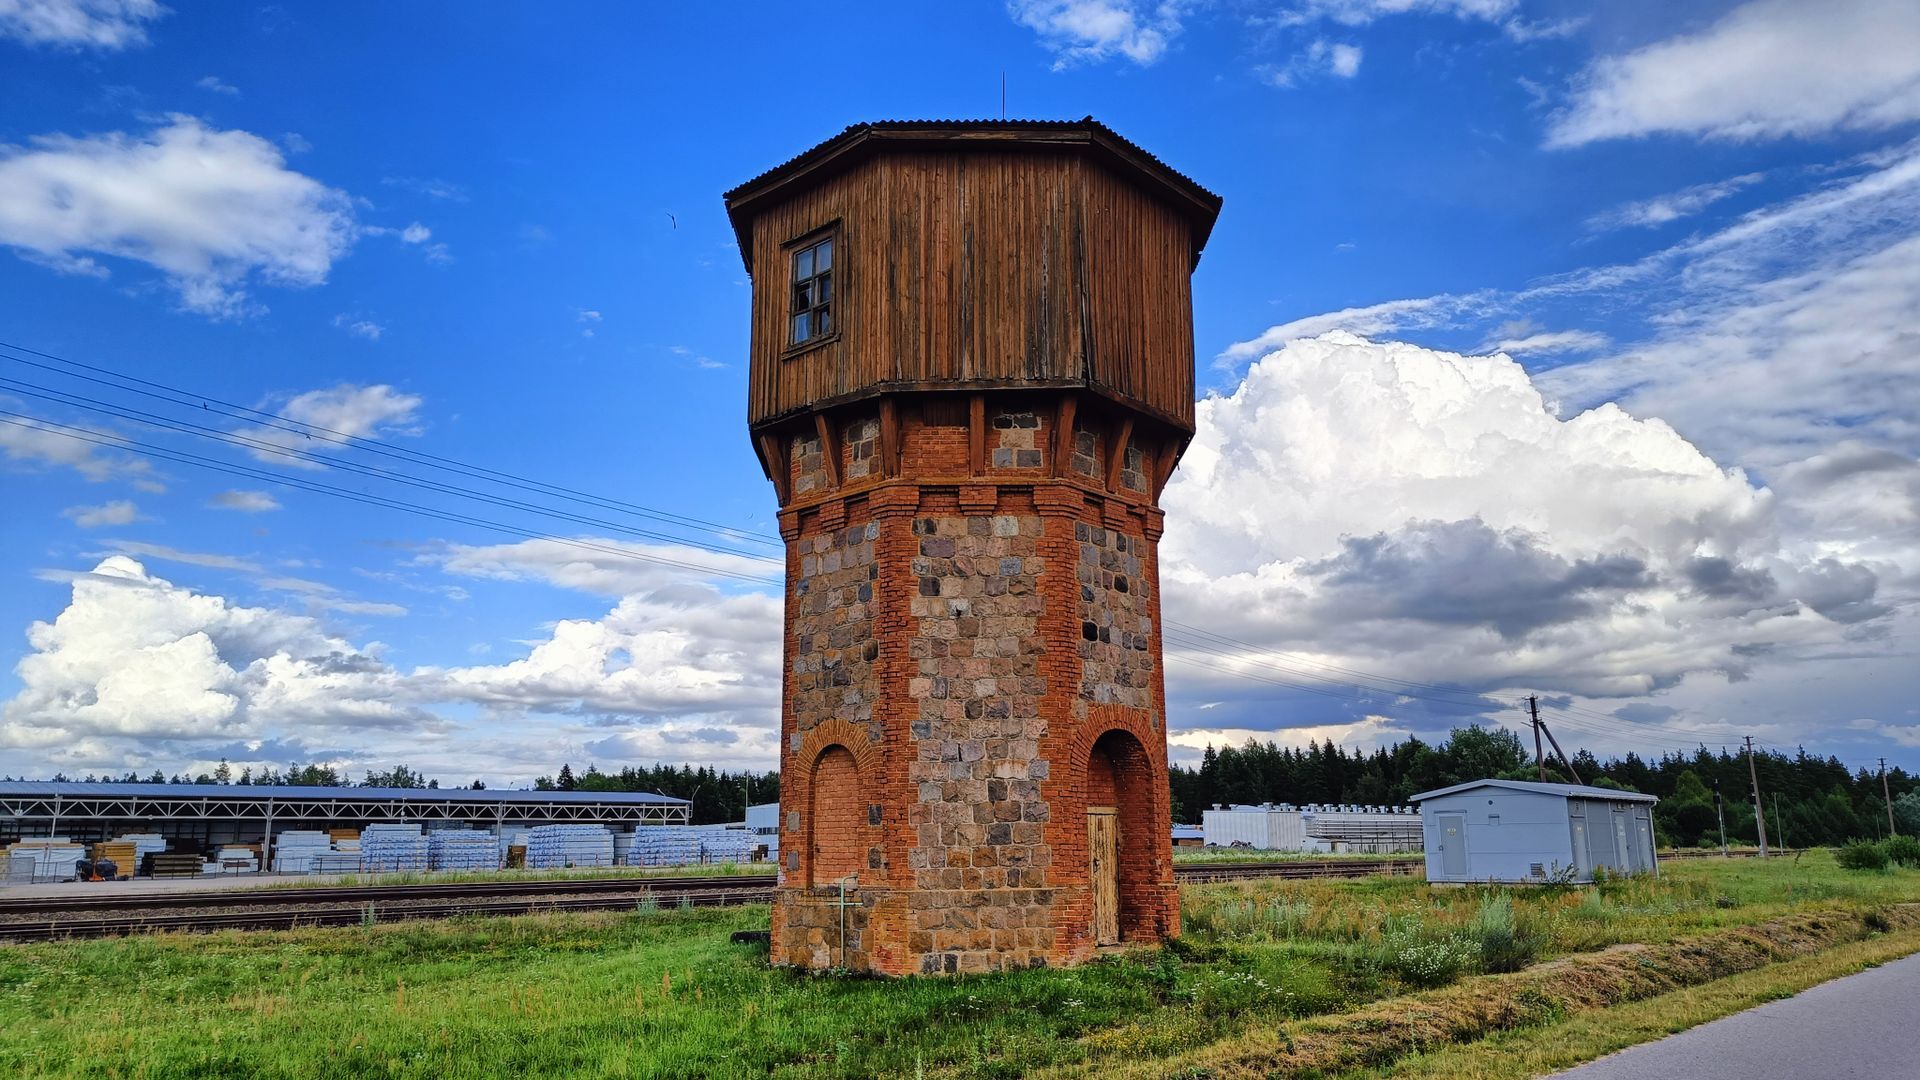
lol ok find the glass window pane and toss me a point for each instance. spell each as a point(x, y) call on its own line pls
point(823, 255)
point(824, 286)
point(803, 264)
point(824, 320)
point(803, 295)
point(801, 323)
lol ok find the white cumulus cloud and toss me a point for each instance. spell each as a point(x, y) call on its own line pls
point(211, 210)
point(98, 24)
point(117, 512)
point(334, 417)
point(1076, 30)
point(247, 502)
point(1766, 69)
point(1383, 506)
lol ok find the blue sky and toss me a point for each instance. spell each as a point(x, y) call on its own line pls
point(1562, 348)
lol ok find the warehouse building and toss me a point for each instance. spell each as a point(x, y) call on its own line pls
point(1315, 827)
point(203, 817)
point(1518, 831)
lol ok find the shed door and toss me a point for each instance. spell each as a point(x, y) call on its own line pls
point(1453, 844)
point(1623, 853)
point(1577, 822)
point(1103, 849)
point(1643, 840)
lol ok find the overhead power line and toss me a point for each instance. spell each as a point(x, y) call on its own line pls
point(207, 403)
point(107, 439)
point(258, 446)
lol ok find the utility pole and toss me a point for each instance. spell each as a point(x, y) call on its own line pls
point(1720, 815)
point(1887, 797)
point(1759, 811)
point(1539, 755)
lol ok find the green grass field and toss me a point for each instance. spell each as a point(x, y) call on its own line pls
point(665, 994)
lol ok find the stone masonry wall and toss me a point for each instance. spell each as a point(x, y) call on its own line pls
point(979, 857)
point(1116, 650)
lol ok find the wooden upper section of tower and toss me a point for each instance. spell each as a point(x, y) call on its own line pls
point(972, 255)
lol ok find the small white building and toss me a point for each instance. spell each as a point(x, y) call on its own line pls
point(1519, 831)
point(763, 822)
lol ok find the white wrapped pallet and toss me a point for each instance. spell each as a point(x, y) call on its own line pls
point(235, 860)
point(53, 858)
point(463, 849)
point(554, 847)
point(387, 847)
point(664, 845)
point(726, 845)
point(295, 851)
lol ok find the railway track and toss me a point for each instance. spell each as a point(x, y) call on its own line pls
point(107, 915)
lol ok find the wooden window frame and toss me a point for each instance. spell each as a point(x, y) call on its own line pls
point(829, 231)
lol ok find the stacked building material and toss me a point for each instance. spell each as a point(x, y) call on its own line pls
point(295, 851)
point(144, 844)
point(120, 854)
point(726, 845)
point(664, 845)
point(234, 859)
point(552, 847)
point(174, 864)
point(463, 849)
point(53, 858)
point(386, 847)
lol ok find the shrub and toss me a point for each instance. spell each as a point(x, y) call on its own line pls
point(1422, 958)
point(1903, 850)
point(1504, 945)
point(1862, 855)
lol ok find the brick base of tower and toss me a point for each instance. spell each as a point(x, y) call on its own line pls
point(972, 661)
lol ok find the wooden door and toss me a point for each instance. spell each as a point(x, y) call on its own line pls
point(1103, 849)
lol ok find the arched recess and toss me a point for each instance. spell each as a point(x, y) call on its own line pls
point(1121, 839)
point(836, 831)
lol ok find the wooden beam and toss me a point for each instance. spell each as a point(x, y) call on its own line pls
point(977, 434)
point(773, 455)
point(889, 438)
point(1117, 453)
point(1062, 435)
point(1163, 464)
point(829, 448)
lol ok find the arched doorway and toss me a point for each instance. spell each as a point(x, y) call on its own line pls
point(834, 834)
point(1119, 833)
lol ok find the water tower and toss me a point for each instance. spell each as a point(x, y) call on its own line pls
point(971, 377)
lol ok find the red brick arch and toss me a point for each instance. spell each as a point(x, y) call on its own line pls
point(1112, 763)
point(836, 765)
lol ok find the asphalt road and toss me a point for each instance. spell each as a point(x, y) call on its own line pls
point(1864, 1026)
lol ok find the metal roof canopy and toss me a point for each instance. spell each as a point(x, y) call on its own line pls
point(49, 799)
point(1570, 791)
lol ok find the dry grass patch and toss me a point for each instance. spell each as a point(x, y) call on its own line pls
point(1386, 1031)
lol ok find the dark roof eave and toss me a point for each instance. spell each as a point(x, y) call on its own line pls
point(859, 141)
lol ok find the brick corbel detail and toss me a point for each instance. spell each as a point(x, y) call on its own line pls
point(1155, 526)
point(978, 498)
point(1058, 499)
point(833, 514)
point(790, 525)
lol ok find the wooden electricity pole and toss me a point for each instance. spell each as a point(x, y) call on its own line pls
point(1759, 811)
point(1539, 755)
point(1887, 797)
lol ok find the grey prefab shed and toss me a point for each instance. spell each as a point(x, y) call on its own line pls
point(1520, 831)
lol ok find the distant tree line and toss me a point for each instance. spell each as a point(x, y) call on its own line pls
point(296, 775)
point(1810, 801)
point(717, 795)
